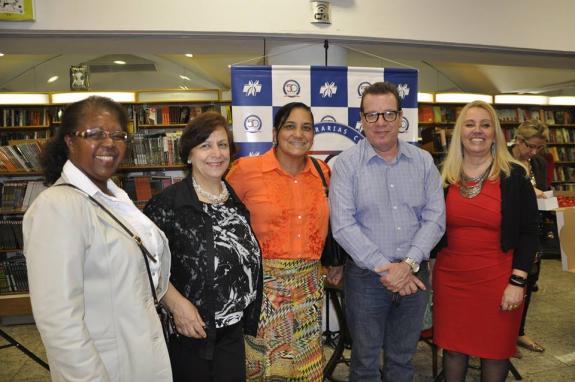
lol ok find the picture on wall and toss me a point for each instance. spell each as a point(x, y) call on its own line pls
point(79, 77)
point(16, 10)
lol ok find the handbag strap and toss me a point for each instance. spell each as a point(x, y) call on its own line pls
point(318, 168)
point(136, 238)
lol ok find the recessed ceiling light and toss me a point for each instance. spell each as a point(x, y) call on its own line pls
point(190, 55)
point(1, 54)
point(52, 79)
point(184, 77)
point(120, 62)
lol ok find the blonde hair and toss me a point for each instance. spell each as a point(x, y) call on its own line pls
point(453, 163)
point(532, 128)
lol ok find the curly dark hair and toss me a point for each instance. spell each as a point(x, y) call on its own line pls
point(55, 152)
point(198, 130)
point(284, 112)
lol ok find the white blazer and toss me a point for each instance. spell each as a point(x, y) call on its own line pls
point(90, 293)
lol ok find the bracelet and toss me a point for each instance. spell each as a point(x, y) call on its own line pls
point(517, 281)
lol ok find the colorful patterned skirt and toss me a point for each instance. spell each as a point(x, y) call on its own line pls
point(288, 346)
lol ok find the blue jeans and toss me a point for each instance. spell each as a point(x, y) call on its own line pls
point(378, 318)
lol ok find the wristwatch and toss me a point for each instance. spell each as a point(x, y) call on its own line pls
point(414, 265)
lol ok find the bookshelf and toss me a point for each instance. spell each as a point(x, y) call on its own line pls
point(156, 121)
point(436, 121)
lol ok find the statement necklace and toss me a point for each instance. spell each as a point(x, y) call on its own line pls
point(472, 191)
point(213, 199)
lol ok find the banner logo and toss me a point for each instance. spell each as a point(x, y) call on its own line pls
point(403, 90)
point(361, 88)
point(328, 118)
point(329, 89)
point(291, 88)
point(337, 128)
point(404, 125)
point(253, 124)
point(252, 88)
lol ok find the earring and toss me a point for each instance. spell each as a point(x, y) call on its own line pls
point(189, 161)
point(493, 150)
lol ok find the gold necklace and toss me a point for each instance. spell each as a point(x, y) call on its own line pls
point(472, 191)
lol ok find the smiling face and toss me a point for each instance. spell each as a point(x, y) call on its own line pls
point(477, 132)
point(211, 158)
point(295, 135)
point(381, 134)
point(98, 159)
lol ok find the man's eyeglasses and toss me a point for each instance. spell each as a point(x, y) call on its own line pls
point(389, 116)
point(533, 147)
point(100, 135)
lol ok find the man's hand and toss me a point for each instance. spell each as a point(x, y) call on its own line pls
point(412, 286)
point(335, 274)
point(395, 275)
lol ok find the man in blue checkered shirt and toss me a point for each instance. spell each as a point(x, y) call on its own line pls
point(388, 212)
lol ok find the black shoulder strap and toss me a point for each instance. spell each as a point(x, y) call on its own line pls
point(137, 239)
point(318, 168)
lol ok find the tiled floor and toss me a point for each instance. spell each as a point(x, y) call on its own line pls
point(551, 322)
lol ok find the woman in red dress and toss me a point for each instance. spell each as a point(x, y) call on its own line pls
point(480, 272)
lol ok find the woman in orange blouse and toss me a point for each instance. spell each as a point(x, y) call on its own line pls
point(289, 214)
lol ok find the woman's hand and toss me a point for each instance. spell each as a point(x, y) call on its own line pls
point(512, 297)
point(334, 275)
point(188, 320)
point(539, 194)
point(186, 316)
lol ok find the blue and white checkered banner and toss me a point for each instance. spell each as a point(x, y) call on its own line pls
point(333, 92)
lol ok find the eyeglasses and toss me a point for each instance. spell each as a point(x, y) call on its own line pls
point(533, 147)
point(389, 116)
point(100, 135)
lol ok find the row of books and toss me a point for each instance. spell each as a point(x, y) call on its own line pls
point(18, 195)
point(564, 187)
point(141, 188)
point(24, 117)
point(154, 149)
point(21, 155)
point(449, 114)
point(22, 135)
point(564, 173)
point(562, 154)
point(562, 135)
point(11, 234)
point(168, 114)
point(13, 274)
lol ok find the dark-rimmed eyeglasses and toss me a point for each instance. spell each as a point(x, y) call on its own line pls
point(389, 116)
point(533, 147)
point(100, 135)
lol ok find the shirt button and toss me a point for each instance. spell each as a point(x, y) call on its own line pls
point(399, 228)
point(391, 185)
point(394, 207)
point(295, 181)
point(398, 249)
point(299, 216)
point(298, 236)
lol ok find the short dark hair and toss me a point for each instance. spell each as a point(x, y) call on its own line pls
point(284, 112)
point(55, 152)
point(198, 130)
point(384, 87)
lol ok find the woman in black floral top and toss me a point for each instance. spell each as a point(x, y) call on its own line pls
point(216, 274)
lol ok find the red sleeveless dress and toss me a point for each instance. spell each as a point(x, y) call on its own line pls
point(469, 278)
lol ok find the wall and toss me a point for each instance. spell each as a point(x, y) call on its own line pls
point(531, 24)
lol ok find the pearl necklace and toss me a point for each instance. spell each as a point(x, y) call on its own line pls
point(213, 199)
point(472, 191)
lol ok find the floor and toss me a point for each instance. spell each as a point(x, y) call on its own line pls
point(551, 322)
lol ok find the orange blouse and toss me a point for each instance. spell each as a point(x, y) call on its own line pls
point(289, 214)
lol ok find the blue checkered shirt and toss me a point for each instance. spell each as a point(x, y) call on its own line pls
point(384, 212)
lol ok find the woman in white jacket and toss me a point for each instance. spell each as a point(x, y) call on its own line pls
point(89, 287)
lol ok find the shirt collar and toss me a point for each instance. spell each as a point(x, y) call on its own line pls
point(403, 150)
point(270, 163)
point(76, 177)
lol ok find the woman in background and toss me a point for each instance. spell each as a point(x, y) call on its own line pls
point(286, 199)
point(481, 271)
point(530, 139)
point(215, 287)
point(89, 288)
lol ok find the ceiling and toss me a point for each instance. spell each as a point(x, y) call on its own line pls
point(159, 62)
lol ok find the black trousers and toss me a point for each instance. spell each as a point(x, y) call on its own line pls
point(532, 279)
point(227, 365)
